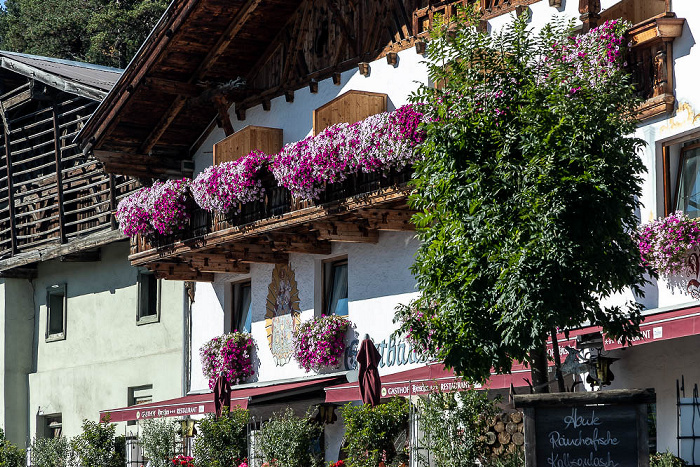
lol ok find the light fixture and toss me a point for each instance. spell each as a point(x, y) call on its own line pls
point(599, 373)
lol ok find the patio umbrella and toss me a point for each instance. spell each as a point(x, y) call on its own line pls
point(368, 373)
point(222, 395)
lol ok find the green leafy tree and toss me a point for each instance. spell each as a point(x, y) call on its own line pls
point(453, 425)
point(104, 32)
point(527, 194)
point(287, 440)
point(160, 438)
point(10, 455)
point(371, 433)
point(222, 442)
point(97, 446)
point(52, 452)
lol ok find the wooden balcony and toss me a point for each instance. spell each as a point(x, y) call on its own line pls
point(651, 59)
point(267, 231)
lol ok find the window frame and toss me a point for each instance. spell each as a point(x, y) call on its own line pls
point(236, 297)
point(679, 173)
point(327, 282)
point(56, 289)
point(150, 318)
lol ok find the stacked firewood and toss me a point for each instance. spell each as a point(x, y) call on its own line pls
point(505, 433)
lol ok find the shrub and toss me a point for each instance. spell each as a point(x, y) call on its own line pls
point(371, 432)
point(10, 455)
point(52, 452)
point(159, 439)
point(222, 442)
point(286, 440)
point(453, 425)
point(320, 343)
point(96, 446)
point(666, 459)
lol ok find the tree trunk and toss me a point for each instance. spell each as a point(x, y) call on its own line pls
point(538, 369)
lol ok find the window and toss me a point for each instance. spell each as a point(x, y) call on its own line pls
point(56, 312)
point(140, 395)
point(335, 287)
point(242, 314)
point(688, 192)
point(50, 426)
point(149, 298)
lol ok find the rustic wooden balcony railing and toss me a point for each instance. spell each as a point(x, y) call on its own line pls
point(354, 210)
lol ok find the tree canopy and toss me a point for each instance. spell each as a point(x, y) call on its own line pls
point(527, 193)
point(105, 32)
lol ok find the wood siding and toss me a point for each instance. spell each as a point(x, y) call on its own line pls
point(248, 139)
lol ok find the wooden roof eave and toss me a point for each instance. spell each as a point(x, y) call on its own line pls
point(52, 80)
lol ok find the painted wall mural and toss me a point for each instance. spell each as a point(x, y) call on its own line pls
point(283, 314)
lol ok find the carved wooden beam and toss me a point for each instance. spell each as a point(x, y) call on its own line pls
point(298, 243)
point(388, 219)
point(206, 262)
point(255, 253)
point(82, 257)
point(138, 165)
point(178, 271)
point(345, 232)
point(590, 14)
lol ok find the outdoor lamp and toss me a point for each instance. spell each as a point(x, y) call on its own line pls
point(187, 428)
point(600, 374)
point(326, 414)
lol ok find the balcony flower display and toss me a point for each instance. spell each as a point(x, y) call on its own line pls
point(320, 343)
point(168, 206)
point(229, 355)
point(133, 214)
point(224, 187)
point(378, 143)
point(665, 243)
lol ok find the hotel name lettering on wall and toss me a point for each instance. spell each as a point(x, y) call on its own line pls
point(396, 352)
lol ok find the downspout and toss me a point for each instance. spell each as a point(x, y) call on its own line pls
point(187, 299)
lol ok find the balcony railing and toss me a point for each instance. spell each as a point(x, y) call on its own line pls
point(278, 208)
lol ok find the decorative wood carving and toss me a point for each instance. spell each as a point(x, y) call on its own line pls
point(250, 138)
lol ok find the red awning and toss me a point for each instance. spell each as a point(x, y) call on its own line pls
point(656, 327)
point(199, 404)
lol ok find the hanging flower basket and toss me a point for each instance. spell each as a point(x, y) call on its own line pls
point(671, 246)
point(229, 355)
point(320, 343)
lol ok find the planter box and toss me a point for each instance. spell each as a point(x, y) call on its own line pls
point(349, 107)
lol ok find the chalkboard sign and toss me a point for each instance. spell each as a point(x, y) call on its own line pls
point(595, 429)
point(598, 436)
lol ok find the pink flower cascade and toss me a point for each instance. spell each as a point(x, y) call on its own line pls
point(160, 208)
point(224, 187)
point(229, 355)
point(133, 214)
point(320, 342)
point(664, 243)
point(596, 57)
point(378, 143)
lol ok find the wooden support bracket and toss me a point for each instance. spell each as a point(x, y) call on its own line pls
point(255, 253)
point(298, 243)
point(206, 262)
point(178, 271)
point(388, 219)
point(420, 47)
point(313, 86)
point(364, 68)
point(392, 58)
point(289, 95)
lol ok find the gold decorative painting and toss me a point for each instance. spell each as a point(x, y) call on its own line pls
point(283, 314)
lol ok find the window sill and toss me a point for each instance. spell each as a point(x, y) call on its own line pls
point(56, 337)
point(148, 320)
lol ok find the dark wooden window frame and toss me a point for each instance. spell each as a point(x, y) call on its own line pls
point(236, 302)
point(54, 290)
point(671, 194)
point(147, 318)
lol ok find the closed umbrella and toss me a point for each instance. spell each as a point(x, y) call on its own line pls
point(222, 395)
point(368, 372)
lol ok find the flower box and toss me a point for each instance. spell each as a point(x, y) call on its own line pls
point(319, 344)
point(229, 355)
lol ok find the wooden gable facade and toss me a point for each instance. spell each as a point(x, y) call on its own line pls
point(54, 201)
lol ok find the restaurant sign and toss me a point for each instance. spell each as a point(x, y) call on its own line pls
point(169, 412)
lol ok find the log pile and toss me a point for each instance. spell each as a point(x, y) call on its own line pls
point(505, 433)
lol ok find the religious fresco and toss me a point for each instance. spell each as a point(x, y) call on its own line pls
point(283, 314)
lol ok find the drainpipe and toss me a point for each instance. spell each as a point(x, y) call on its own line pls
point(187, 298)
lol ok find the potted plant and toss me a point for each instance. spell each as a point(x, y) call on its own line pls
point(320, 343)
point(229, 355)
